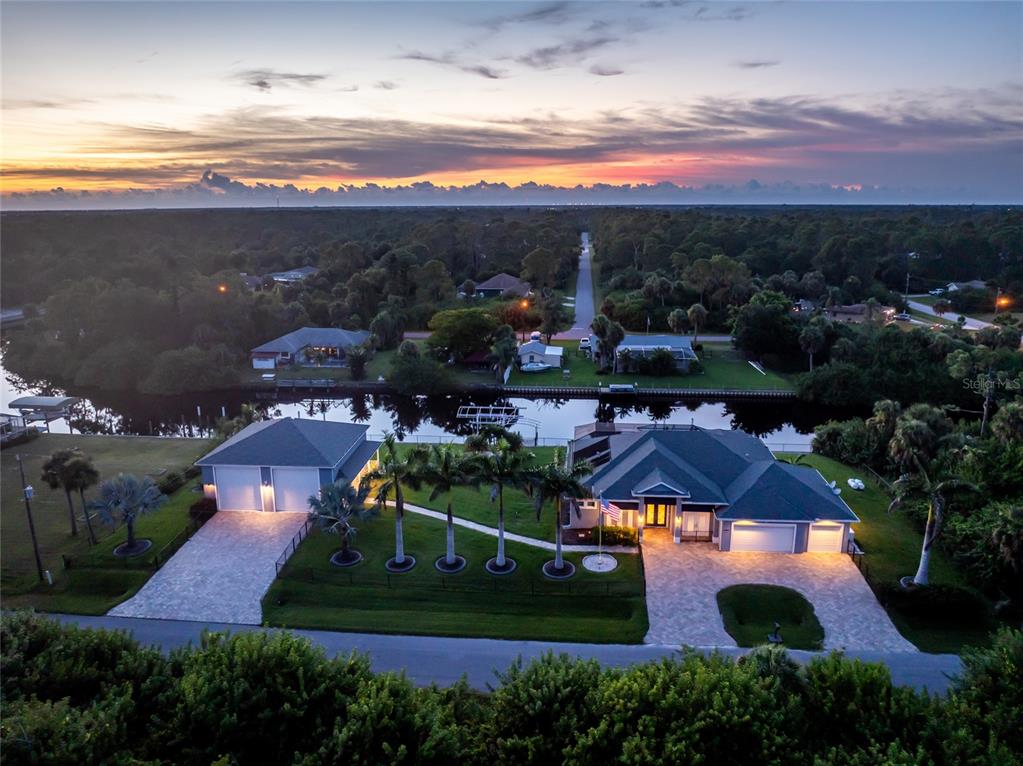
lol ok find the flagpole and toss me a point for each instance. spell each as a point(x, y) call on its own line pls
point(600, 529)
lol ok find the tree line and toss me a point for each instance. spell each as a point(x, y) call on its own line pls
point(74, 696)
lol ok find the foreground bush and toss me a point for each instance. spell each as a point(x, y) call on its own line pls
point(74, 696)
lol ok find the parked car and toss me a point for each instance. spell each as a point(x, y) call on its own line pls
point(584, 344)
point(535, 367)
point(937, 291)
point(903, 317)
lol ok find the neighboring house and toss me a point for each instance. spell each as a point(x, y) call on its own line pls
point(804, 306)
point(308, 347)
point(498, 285)
point(538, 352)
point(479, 361)
point(720, 486)
point(633, 347)
point(294, 275)
point(252, 282)
point(856, 313)
point(973, 284)
point(276, 465)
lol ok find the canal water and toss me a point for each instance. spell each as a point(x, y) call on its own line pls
point(782, 424)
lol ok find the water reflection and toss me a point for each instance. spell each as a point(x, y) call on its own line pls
point(422, 417)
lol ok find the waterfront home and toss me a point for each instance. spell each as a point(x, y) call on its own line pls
point(276, 465)
point(535, 351)
point(712, 485)
point(636, 347)
point(308, 347)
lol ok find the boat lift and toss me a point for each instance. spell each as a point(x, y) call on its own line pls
point(480, 416)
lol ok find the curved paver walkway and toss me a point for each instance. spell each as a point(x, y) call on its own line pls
point(492, 531)
point(221, 574)
point(682, 582)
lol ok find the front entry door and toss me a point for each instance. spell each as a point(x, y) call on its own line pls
point(657, 514)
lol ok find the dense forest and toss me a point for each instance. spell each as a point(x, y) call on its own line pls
point(74, 696)
point(155, 301)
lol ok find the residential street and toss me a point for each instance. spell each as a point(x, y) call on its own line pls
point(971, 324)
point(428, 659)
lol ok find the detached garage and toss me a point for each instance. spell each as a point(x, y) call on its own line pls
point(276, 465)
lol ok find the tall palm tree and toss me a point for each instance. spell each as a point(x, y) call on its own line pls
point(917, 484)
point(122, 500)
point(503, 352)
point(80, 474)
point(552, 482)
point(500, 460)
point(697, 315)
point(335, 509)
point(54, 476)
point(445, 469)
point(394, 469)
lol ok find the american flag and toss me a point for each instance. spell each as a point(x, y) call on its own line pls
point(612, 511)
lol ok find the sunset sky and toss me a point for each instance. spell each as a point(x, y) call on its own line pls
point(924, 99)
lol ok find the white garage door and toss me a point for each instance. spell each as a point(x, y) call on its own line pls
point(763, 537)
point(238, 489)
point(826, 538)
point(263, 363)
point(293, 486)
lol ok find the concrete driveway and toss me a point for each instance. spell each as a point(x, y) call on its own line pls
point(682, 582)
point(221, 574)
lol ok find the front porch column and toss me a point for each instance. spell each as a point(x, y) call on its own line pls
point(676, 522)
point(640, 522)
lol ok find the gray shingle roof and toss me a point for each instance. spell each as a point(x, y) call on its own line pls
point(291, 442)
point(717, 467)
point(313, 336)
point(504, 282)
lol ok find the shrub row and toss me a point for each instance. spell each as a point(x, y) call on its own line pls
point(79, 696)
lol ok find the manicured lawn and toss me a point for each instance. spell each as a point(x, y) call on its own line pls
point(112, 455)
point(892, 547)
point(750, 611)
point(723, 368)
point(524, 605)
point(475, 505)
point(98, 580)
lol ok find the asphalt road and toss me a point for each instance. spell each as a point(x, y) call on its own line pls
point(971, 324)
point(429, 659)
point(584, 308)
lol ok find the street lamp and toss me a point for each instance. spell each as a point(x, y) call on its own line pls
point(29, 493)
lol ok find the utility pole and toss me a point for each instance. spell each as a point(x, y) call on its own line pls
point(28, 492)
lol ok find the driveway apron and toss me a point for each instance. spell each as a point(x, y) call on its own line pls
point(221, 574)
point(682, 582)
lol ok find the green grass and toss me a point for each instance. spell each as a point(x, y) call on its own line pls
point(750, 611)
point(892, 546)
point(723, 368)
point(139, 455)
point(475, 505)
point(524, 605)
point(98, 580)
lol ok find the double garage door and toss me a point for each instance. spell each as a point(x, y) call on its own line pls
point(781, 538)
point(778, 538)
point(238, 488)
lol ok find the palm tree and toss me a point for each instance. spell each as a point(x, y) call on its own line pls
point(504, 352)
point(80, 474)
point(697, 316)
point(334, 510)
point(391, 472)
point(917, 484)
point(811, 340)
point(501, 461)
point(121, 501)
point(555, 481)
point(445, 470)
point(54, 477)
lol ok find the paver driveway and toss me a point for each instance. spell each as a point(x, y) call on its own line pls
point(682, 582)
point(219, 575)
